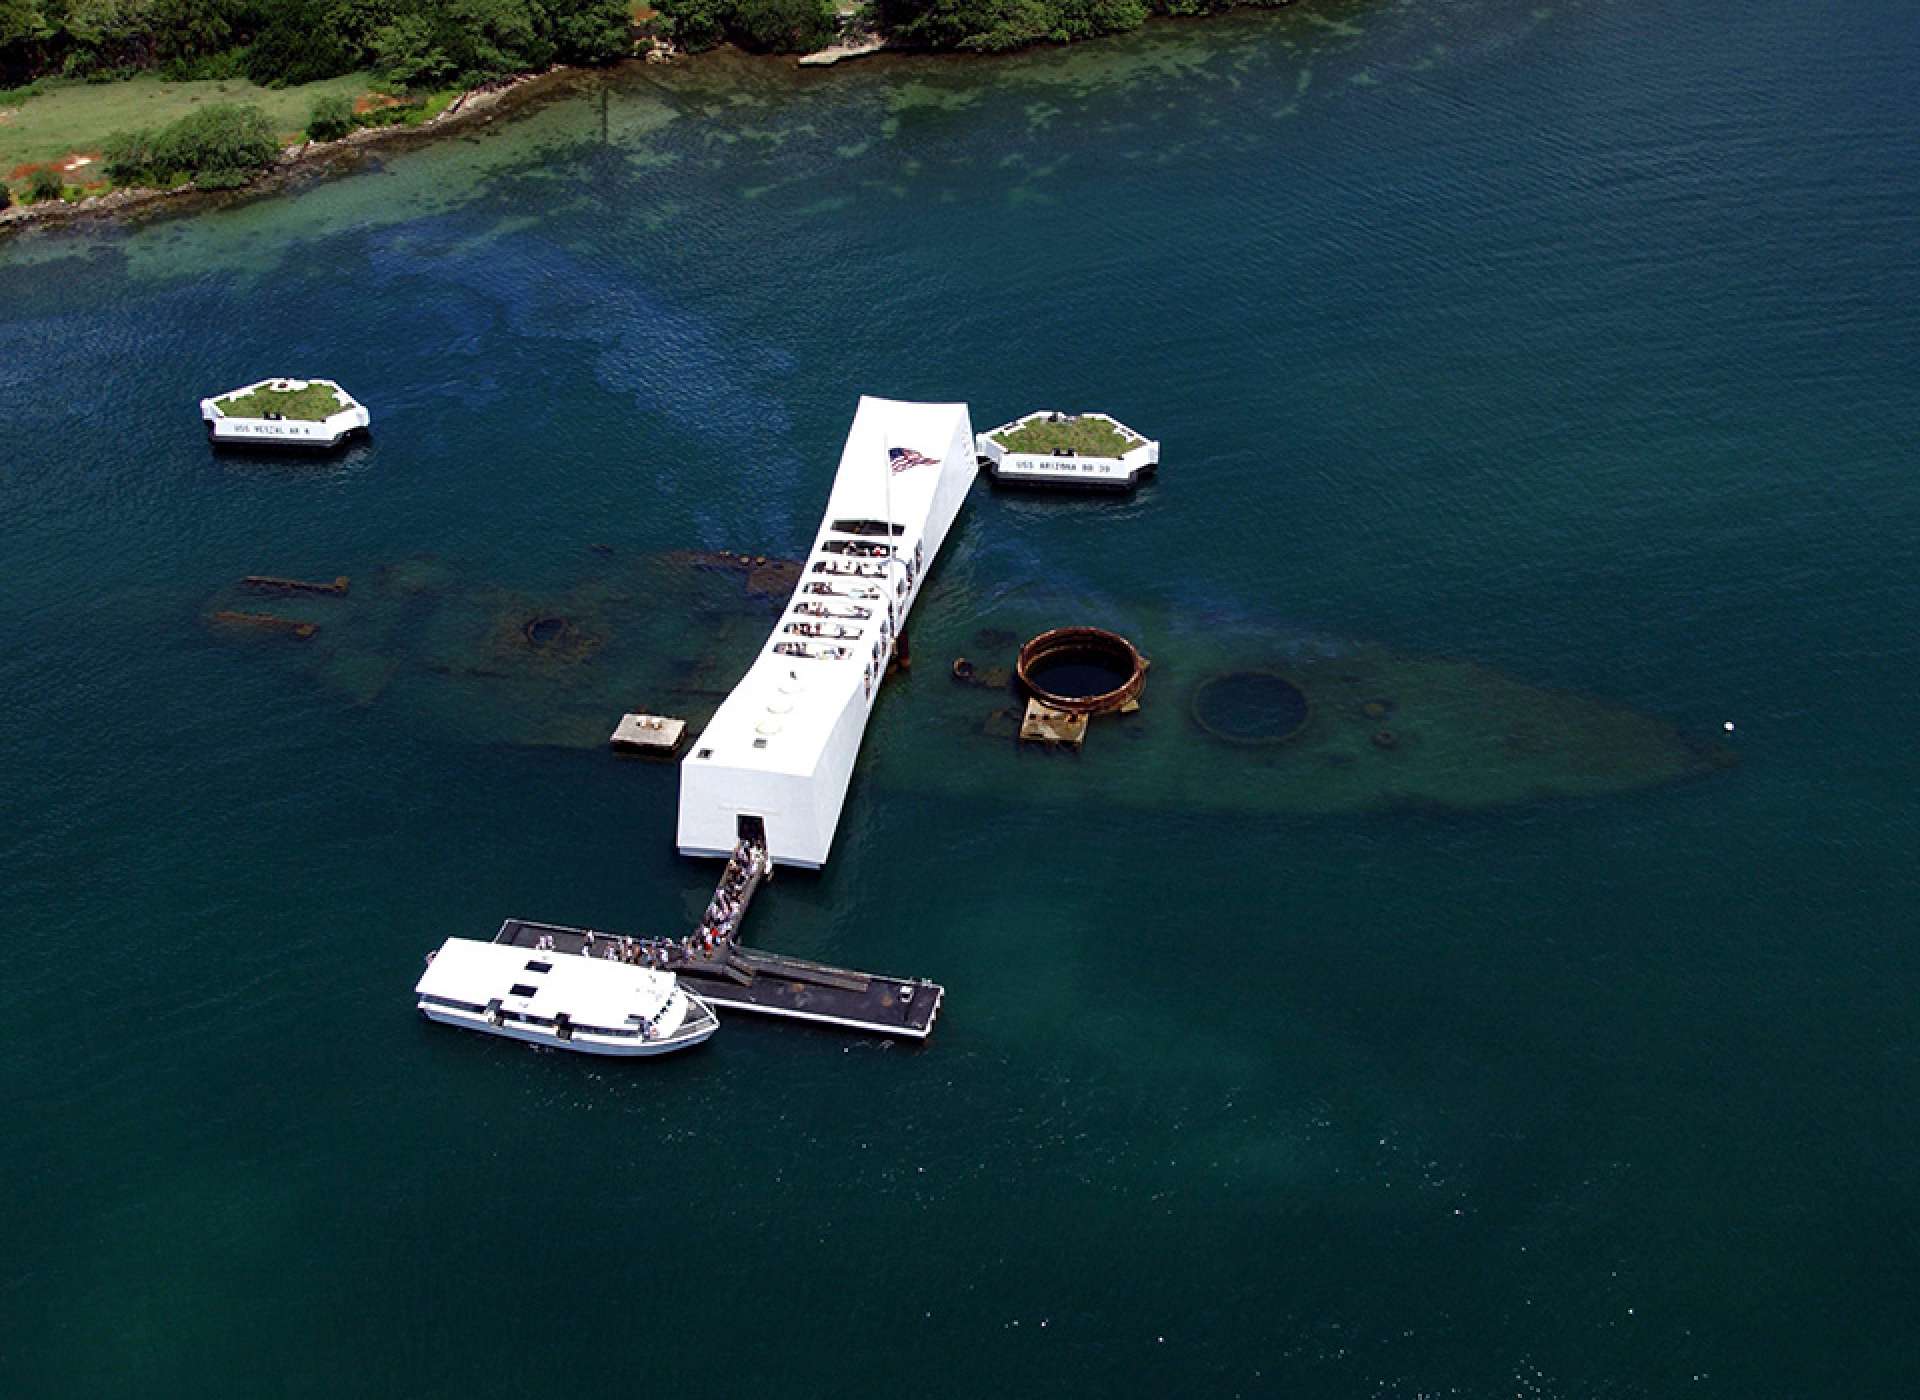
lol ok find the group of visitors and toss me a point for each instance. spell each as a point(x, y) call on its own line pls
point(829, 566)
point(828, 590)
point(729, 901)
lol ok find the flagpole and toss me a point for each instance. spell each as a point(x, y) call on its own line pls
point(886, 466)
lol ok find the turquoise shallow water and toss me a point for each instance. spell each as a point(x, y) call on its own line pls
point(1578, 342)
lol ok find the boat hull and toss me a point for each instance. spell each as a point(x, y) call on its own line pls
point(577, 1044)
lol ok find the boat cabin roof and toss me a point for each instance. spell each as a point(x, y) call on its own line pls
point(589, 991)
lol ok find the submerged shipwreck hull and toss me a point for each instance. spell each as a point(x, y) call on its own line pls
point(470, 659)
point(1241, 719)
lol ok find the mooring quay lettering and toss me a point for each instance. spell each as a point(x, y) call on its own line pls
point(1098, 466)
point(269, 429)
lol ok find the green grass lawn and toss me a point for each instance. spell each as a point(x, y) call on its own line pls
point(68, 116)
point(1090, 437)
point(310, 404)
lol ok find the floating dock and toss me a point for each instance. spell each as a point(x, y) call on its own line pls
point(749, 980)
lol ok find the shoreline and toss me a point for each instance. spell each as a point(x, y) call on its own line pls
point(474, 107)
point(479, 106)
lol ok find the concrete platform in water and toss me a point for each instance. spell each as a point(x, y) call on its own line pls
point(648, 734)
point(748, 980)
point(1105, 455)
point(311, 415)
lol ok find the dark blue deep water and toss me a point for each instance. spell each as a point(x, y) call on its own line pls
point(1580, 342)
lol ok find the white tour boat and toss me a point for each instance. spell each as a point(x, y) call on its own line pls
point(249, 417)
point(563, 1001)
point(772, 767)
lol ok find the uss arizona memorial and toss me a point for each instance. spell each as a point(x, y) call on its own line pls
point(774, 763)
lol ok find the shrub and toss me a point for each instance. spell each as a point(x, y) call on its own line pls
point(226, 136)
point(216, 67)
point(6, 195)
point(129, 156)
point(223, 140)
point(332, 117)
point(396, 114)
point(43, 185)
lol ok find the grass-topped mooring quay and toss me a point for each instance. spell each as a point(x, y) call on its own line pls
point(1094, 451)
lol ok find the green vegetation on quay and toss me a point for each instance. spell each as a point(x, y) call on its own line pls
point(310, 403)
point(1089, 437)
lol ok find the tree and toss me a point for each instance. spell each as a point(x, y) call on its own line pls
point(410, 55)
point(299, 44)
point(782, 26)
point(184, 30)
point(24, 32)
point(695, 24)
point(332, 117)
point(463, 42)
point(23, 22)
point(357, 21)
point(44, 184)
point(591, 31)
point(6, 195)
point(106, 34)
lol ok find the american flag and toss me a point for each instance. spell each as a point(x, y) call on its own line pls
point(904, 458)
